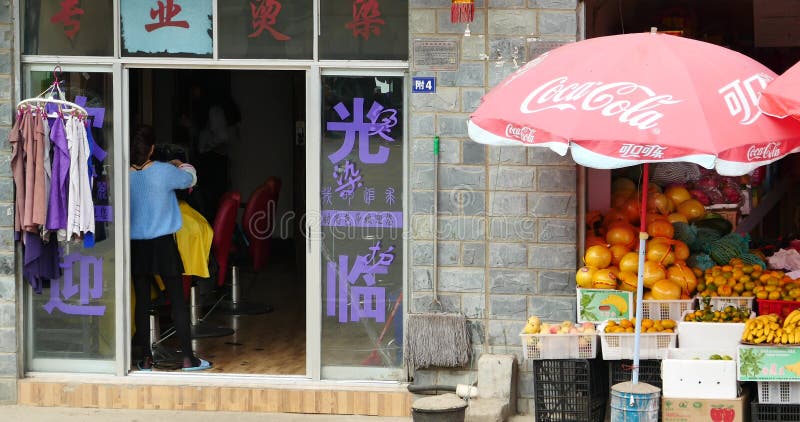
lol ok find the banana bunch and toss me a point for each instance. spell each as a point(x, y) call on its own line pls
point(768, 329)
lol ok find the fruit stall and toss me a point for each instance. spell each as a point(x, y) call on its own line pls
point(719, 315)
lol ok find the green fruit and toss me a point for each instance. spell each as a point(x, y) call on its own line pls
point(715, 357)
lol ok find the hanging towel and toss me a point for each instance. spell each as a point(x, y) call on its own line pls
point(80, 208)
point(57, 207)
point(18, 167)
point(48, 174)
point(35, 204)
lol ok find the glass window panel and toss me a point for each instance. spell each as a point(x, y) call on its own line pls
point(70, 28)
point(73, 317)
point(167, 28)
point(362, 225)
point(364, 30)
point(266, 29)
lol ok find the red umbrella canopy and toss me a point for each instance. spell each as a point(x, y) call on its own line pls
point(781, 98)
point(623, 100)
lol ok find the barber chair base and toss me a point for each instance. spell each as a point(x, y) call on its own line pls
point(204, 330)
point(245, 308)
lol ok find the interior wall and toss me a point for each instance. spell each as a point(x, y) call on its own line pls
point(266, 146)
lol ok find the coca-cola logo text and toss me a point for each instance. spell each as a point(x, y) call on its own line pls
point(629, 102)
point(523, 133)
point(766, 152)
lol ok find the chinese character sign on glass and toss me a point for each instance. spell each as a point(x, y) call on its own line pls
point(264, 14)
point(66, 17)
point(366, 19)
point(348, 179)
point(377, 125)
point(166, 10)
point(89, 287)
point(364, 301)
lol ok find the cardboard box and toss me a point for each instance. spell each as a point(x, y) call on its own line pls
point(705, 410)
point(689, 373)
point(598, 305)
point(768, 363)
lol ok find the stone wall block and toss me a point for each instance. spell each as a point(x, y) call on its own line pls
point(518, 282)
point(449, 253)
point(558, 23)
point(453, 125)
point(554, 257)
point(444, 26)
point(508, 255)
point(8, 289)
point(473, 305)
point(507, 155)
point(462, 280)
point(471, 74)
point(462, 177)
point(508, 203)
point(553, 308)
point(512, 177)
point(512, 228)
point(557, 282)
point(421, 125)
point(473, 152)
point(473, 47)
point(470, 100)
point(444, 99)
point(553, 230)
point(553, 4)
point(422, 21)
point(462, 228)
point(421, 177)
point(557, 179)
point(505, 333)
point(423, 303)
point(473, 254)
point(552, 205)
point(512, 22)
point(548, 157)
point(422, 279)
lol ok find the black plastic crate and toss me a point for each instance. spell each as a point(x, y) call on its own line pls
point(762, 412)
point(622, 370)
point(570, 390)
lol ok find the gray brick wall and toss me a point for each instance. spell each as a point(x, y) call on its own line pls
point(9, 348)
point(506, 239)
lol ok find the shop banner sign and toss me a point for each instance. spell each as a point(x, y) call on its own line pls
point(167, 26)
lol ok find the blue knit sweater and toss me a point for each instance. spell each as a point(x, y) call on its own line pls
point(154, 206)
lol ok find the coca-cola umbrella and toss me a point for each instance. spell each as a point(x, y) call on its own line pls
point(781, 98)
point(624, 100)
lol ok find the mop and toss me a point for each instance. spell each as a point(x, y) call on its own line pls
point(436, 338)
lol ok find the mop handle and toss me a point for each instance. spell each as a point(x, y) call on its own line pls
point(435, 219)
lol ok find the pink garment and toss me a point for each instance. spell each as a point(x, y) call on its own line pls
point(35, 201)
point(18, 167)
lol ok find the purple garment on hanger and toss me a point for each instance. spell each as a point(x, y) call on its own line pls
point(41, 261)
point(59, 182)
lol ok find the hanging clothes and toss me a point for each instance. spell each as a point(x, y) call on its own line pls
point(17, 142)
point(35, 204)
point(59, 182)
point(194, 241)
point(80, 208)
point(40, 260)
point(48, 174)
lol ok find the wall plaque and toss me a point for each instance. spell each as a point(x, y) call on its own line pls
point(534, 48)
point(436, 55)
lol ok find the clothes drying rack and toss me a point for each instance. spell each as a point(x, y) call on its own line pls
point(53, 95)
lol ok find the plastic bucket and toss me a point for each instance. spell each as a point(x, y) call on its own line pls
point(635, 402)
point(443, 408)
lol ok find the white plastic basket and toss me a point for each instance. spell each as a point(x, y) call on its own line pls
point(719, 303)
point(559, 346)
point(778, 392)
point(666, 309)
point(618, 346)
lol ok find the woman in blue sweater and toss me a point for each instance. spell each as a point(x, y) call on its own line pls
point(155, 217)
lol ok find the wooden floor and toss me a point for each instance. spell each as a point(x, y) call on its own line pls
point(267, 344)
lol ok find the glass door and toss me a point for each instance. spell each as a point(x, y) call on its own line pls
point(71, 319)
point(361, 188)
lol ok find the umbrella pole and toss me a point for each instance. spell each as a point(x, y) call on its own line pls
point(640, 278)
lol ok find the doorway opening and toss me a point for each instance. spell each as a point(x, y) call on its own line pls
point(244, 132)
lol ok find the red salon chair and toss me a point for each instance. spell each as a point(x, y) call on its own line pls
point(258, 221)
point(224, 225)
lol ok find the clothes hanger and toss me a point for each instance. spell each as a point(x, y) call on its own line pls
point(53, 95)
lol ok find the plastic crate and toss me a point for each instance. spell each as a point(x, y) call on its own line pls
point(762, 412)
point(570, 390)
point(779, 307)
point(779, 392)
point(559, 346)
point(616, 346)
point(621, 371)
point(719, 303)
point(666, 309)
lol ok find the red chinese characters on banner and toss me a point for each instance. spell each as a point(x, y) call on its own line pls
point(66, 17)
point(167, 10)
point(366, 19)
point(264, 14)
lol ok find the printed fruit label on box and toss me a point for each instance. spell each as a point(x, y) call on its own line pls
point(598, 305)
point(769, 363)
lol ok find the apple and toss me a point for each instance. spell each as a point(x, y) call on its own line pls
point(554, 329)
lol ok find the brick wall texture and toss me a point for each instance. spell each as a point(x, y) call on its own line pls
point(507, 215)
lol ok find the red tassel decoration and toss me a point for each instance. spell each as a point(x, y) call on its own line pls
point(462, 11)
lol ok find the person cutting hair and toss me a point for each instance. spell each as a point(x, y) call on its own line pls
point(155, 217)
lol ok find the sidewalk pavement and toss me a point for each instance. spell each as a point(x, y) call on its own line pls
point(71, 414)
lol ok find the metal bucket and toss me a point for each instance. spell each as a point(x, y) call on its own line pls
point(635, 402)
point(443, 408)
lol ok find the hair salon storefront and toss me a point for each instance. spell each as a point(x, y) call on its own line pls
point(367, 190)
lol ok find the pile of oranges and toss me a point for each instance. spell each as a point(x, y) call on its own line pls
point(648, 326)
point(746, 280)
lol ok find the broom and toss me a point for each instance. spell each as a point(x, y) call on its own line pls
point(436, 338)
